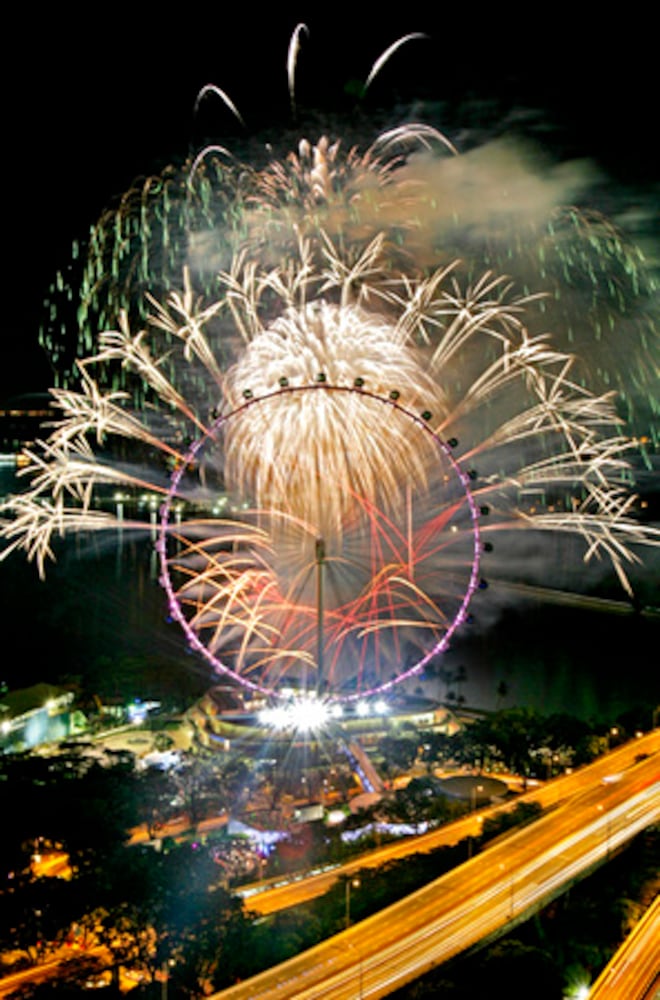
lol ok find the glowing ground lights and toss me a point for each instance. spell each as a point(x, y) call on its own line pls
point(337, 409)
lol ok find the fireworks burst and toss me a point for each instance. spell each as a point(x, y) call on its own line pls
point(338, 399)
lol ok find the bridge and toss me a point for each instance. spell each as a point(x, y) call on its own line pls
point(610, 803)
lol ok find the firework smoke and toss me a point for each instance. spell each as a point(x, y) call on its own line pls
point(356, 364)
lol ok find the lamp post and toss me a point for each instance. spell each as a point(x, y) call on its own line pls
point(356, 951)
point(164, 977)
point(359, 956)
point(350, 882)
point(473, 795)
point(504, 869)
point(473, 801)
point(612, 733)
point(608, 830)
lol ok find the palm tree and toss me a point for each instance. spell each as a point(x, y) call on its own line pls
point(501, 691)
point(460, 677)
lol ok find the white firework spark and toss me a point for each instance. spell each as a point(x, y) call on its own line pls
point(317, 395)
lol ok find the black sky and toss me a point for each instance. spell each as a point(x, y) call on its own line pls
point(94, 101)
point(90, 104)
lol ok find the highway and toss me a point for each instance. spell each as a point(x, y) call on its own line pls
point(278, 894)
point(32, 975)
point(499, 888)
point(483, 897)
point(634, 971)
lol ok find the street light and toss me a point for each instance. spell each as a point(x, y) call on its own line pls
point(612, 732)
point(473, 798)
point(473, 794)
point(608, 830)
point(503, 869)
point(356, 951)
point(471, 836)
point(355, 883)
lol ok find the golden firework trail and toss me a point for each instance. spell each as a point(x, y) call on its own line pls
point(335, 408)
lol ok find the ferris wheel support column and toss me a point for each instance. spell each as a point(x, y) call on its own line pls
point(320, 560)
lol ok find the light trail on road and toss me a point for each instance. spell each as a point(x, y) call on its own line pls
point(273, 895)
point(634, 971)
point(484, 897)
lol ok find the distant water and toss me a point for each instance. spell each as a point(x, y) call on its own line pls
point(591, 660)
point(590, 663)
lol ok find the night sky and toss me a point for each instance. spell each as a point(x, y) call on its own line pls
point(91, 105)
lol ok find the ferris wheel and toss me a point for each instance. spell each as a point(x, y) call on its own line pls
point(336, 565)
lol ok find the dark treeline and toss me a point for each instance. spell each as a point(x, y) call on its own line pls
point(173, 907)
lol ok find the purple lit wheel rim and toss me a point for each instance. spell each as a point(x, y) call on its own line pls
point(176, 611)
